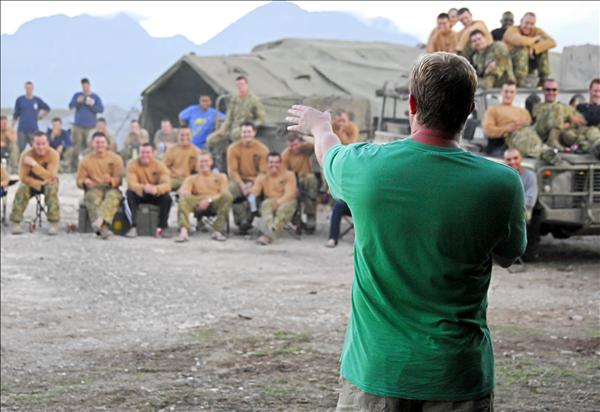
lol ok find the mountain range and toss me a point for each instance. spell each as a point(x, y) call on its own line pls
point(120, 58)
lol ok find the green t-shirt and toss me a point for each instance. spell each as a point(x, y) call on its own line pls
point(426, 221)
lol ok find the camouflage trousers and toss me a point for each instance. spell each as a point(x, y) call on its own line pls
point(176, 184)
point(102, 201)
point(584, 136)
point(277, 219)
point(24, 194)
point(527, 141)
point(11, 152)
point(523, 65)
point(80, 145)
point(130, 152)
point(241, 208)
point(308, 194)
point(219, 207)
point(219, 142)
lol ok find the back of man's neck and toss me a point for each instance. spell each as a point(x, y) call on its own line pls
point(435, 137)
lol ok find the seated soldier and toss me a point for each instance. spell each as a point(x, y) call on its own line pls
point(500, 122)
point(99, 175)
point(136, 137)
point(557, 124)
point(528, 46)
point(591, 113)
point(338, 210)
point(8, 143)
point(507, 21)
point(245, 107)
point(246, 158)
point(148, 181)
point(443, 38)
point(205, 191)
point(101, 127)
point(180, 159)
point(165, 137)
point(491, 61)
point(463, 46)
point(4, 181)
point(60, 140)
point(38, 172)
point(346, 130)
point(279, 189)
point(297, 158)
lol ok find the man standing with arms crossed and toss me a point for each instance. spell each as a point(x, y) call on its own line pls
point(430, 221)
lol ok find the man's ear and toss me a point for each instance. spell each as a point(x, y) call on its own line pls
point(412, 104)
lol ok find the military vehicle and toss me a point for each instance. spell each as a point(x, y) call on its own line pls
point(569, 193)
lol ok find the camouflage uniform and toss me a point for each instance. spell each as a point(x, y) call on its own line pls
point(102, 201)
point(523, 65)
point(239, 110)
point(80, 145)
point(498, 53)
point(527, 141)
point(278, 219)
point(241, 210)
point(24, 193)
point(554, 125)
point(219, 206)
point(308, 194)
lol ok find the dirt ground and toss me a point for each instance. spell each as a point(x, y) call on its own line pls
point(150, 325)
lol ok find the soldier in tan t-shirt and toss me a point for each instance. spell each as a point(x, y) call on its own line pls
point(38, 172)
point(463, 46)
point(246, 159)
point(344, 128)
point(501, 121)
point(443, 38)
point(205, 191)
point(279, 188)
point(8, 143)
point(99, 175)
point(180, 159)
point(297, 158)
point(136, 137)
point(165, 137)
point(148, 181)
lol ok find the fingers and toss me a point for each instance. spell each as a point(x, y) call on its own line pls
point(295, 128)
point(293, 119)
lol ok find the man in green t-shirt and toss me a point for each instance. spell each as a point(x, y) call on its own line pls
point(430, 219)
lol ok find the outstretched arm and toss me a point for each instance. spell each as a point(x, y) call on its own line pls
point(305, 120)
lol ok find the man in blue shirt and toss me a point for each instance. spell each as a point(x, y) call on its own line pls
point(87, 105)
point(28, 110)
point(60, 139)
point(201, 119)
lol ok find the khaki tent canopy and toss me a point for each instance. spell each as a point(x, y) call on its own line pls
point(326, 73)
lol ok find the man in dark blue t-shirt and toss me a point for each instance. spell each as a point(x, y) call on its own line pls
point(60, 139)
point(28, 110)
point(87, 105)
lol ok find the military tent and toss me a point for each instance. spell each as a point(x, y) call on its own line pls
point(326, 73)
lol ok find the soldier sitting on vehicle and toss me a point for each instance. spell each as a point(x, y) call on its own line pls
point(443, 38)
point(463, 47)
point(500, 122)
point(556, 126)
point(529, 46)
point(38, 172)
point(297, 158)
point(205, 191)
point(280, 191)
point(99, 175)
point(591, 112)
point(246, 159)
point(491, 61)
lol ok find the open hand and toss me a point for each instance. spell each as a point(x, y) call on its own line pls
point(305, 119)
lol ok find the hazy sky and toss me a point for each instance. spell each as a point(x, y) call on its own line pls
point(570, 22)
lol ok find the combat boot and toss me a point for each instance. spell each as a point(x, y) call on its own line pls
point(551, 156)
point(16, 228)
point(53, 229)
point(554, 139)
